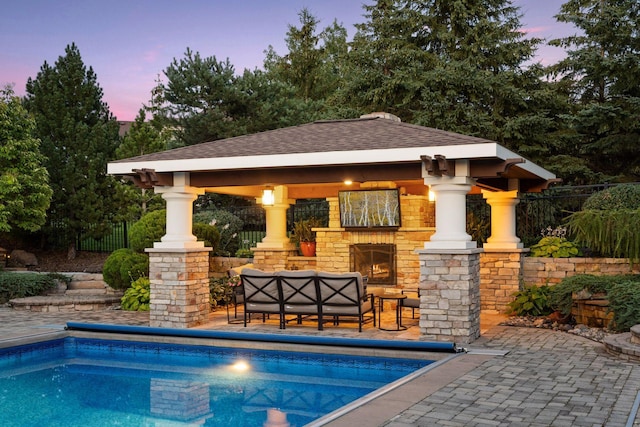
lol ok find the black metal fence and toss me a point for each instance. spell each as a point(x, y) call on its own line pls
point(535, 212)
point(116, 240)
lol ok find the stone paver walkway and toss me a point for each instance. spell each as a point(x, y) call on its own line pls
point(547, 378)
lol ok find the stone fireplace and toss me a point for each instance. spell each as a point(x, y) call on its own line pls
point(387, 256)
point(335, 248)
point(376, 261)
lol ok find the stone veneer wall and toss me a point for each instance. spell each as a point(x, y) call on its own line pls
point(272, 259)
point(418, 221)
point(541, 271)
point(500, 274)
point(450, 295)
point(179, 287)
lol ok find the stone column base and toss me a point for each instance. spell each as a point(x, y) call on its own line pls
point(179, 287)
point(450, 295)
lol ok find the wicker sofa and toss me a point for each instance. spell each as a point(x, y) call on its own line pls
point(325, 296)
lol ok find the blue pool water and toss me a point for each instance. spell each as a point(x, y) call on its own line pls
point(90, 382)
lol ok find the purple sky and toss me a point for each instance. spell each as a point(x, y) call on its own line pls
point(129, 43)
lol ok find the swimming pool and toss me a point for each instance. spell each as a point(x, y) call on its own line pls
point(77, 381)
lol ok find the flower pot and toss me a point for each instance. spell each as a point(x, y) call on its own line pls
point(308, 248)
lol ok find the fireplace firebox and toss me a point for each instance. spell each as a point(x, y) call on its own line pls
point(376, 261)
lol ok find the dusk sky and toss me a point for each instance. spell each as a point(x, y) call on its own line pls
point(129, 43)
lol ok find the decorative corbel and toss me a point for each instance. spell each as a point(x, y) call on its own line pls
point(506, 165)
point(147, 178)
point(439, 166)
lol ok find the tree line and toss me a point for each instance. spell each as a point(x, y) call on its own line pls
point(461, 66)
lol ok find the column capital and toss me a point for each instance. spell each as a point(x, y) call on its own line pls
point(501, 196)
point(503, 220)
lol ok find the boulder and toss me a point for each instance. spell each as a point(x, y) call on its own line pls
point(20, 258)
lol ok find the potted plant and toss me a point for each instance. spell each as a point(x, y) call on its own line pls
point(304, 236)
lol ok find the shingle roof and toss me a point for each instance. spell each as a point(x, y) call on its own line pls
point(317, 137)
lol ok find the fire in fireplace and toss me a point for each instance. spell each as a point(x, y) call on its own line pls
point(376, 261)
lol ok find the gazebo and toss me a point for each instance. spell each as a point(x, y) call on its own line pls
point(431, 248)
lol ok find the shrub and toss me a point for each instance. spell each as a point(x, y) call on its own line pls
point(608, 221)
point(244, 253)
point(623, 196)
point(560, 295)
point(221, 290)
point(624, 302)
point(555, 247)
point(137, 297)
point(150, 228)
point(124, 266)
point(209, 234)
point(531, 301)
point(610, 233)
point(478, 228)
point(20, 285)
point(229, 226)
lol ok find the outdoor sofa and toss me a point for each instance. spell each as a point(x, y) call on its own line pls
point(324, 296)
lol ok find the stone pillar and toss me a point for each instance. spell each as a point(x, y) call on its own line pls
point(182, 402)
point(450, 295)
point(179, 287)
point(179, 264)
point(503, 220)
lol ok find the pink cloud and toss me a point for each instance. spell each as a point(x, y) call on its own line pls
point(534, 30)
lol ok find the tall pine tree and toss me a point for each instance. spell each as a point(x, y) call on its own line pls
point(79, 136)
point(314, 62)
point(142, 138)
point(602, 69)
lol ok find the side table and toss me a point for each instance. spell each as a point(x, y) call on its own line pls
point(398, 298)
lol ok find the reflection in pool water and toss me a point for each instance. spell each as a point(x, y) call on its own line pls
point(90, 382)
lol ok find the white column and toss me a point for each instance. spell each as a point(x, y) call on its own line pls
point(276, 218)
point(451, 213)
point(503, 220)
point(179, 198)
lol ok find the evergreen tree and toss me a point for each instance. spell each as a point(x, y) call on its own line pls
point(24, 182)
point(200, 98)
point(204, 100)
point(142, 138)
point(453, 65)
point(314, 63)
point(602, 69)
point(79, 136)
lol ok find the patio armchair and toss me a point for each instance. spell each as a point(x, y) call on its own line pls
point(237, 297)
point(412, 303)
point(343, 295)
point(262, 294)
point(299, 295)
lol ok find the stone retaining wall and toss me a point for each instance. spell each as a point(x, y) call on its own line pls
point(541, 271)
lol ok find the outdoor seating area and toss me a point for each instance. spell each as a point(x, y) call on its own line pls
point(328, 297)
